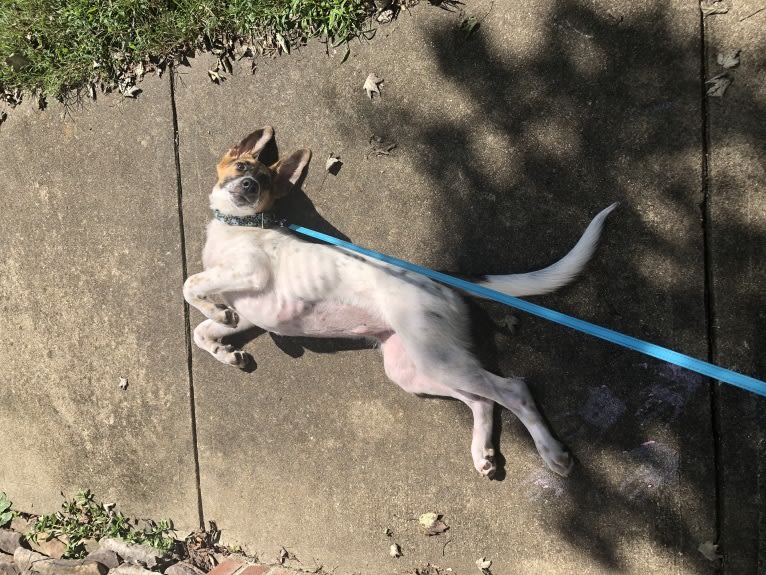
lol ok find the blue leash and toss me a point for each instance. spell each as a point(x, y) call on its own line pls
point(662, 353)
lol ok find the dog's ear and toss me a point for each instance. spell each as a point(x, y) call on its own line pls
point(288, 171)
point(253, 143)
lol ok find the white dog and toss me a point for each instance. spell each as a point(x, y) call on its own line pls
point(270, 279)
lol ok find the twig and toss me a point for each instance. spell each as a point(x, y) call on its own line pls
point(447, 542)
point(753, 14)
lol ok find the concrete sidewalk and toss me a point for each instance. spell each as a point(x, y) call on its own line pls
point(507, 142)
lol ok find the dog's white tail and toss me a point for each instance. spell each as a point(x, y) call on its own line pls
point(556, 275)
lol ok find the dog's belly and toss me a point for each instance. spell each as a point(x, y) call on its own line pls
point(312, 319)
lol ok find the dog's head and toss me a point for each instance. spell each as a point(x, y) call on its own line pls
point(245, 186)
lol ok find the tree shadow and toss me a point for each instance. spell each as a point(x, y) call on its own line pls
point(585, 131)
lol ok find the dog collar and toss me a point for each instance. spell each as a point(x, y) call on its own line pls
point(261, 220)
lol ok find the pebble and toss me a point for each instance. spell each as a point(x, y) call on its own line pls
point(132, 553)
point(53, 547)
point(24, 558)
point(68, 567)
point(183, 569)
point(9, 540)
point(105, 557)
point(21, 524)
point(131, 569)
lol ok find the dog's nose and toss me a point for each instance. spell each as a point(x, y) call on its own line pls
point(249, 184)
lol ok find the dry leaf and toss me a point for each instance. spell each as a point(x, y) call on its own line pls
point(432, 524)
point(333, 164)
point(484, 564)
point(718, 85)
point(371, 85)
point(282, 43)
point(395, 550)
point(710, 551)
point(130, 91)
point(385, 16)
point(214, 76)
point(709, 7)
point(728, 60)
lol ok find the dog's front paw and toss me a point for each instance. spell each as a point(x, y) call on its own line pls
point(226, 316)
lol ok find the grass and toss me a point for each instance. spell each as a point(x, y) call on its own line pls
point(83, 519)
point(51, 48)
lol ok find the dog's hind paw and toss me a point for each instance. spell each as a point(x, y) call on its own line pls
point(230, 355)
point(558, 460)
point(488, 468)
point(242, 360)
point(486, 464)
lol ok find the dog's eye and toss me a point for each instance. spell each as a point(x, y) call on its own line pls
point(241, 166)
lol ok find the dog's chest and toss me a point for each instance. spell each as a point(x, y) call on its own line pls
point(309, 289)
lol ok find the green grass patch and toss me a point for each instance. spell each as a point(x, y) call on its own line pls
point(83, 519)
point(53, 47)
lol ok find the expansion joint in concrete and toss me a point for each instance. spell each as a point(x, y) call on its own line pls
point(187, 323)
point(709, 286)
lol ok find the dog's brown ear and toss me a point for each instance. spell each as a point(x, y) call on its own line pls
point(289, 171)
point(253, 143)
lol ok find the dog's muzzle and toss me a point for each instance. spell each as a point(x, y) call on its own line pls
point(245, 192)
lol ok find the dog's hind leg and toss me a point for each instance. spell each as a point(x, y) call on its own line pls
point(401, 370)
point(513, 394)
point(454, 367)
point(208, 336)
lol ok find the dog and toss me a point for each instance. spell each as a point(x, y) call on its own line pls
point(271, 279)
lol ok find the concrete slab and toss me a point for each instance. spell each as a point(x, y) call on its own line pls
point(89, 282)
point(508, 141)
point(737, 222)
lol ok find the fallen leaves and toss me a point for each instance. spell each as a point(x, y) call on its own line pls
point(431, 524)
point(710, 551)
point(484, 564)
point(371, 85)
point(718, 85)
point(379, 146)
point(709, 7)
point(128, 89)
point(430, 569)
point(202, 547)
point(333, 164)
point(284, 555)
point(729, 59)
